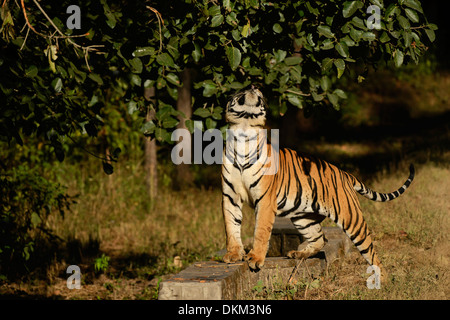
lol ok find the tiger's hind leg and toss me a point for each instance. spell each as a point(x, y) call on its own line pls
point(312, 233)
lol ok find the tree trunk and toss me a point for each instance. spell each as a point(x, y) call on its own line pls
point(184, 105)
point(150, 161)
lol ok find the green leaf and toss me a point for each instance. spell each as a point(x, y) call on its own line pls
point(31, 72)
point(148, 128)
point(312, 10)
point(197, 52)
point(327, 63)
point(201, 112)
point(210, 123)
point(57, 85)
point(173, 79)
point(369, 36)
point(217, 113)
point(277, 28)
point(280, 55)
point(377, 3)
point(398, 58)
point(340, 93)
point(356, 34)
point(165, 59)
point(358, 22)
point(334, 99)
point(325, 83)
point(246, 30)
point(384, 37)
point(350, 8)
point(161, 135)
point(226, 4)
point(135, 80)
point(292, 61)
point(189, 125)
point(136, 65)
point(327, 44)
point(295, 100)
point(412, 15)
point(325, 31)
point(170, 122)
point(217, 21)
point(340, 66)
point(132, 107)
point(342, 49)
point(209, 88)
point(96, 78)
point(407, 36)
point(143, 51)
point(404, 23)
point(431, 35)
point(234, 57)
point(214, 10)
point(391, 10)
point(310, 39)
point(414, 4)
point(110, 17)
point(317, 97)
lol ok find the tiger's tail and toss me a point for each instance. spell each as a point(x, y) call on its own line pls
point(382, 197)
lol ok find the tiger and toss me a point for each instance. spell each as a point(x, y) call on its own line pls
point(284, 183)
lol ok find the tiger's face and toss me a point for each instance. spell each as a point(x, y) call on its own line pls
point(247, 108)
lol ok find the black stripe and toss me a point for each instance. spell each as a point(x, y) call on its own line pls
point(281, 204)
point(228, 183)
point(360, 242)
point(374, 195)
point(305, 226)
point(259, 199)
point(314, 239)
point(306, 166)
point(367, 249)
point(231, 200)
point(256, 182)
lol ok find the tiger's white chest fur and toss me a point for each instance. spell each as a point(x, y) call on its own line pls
point(244, 160)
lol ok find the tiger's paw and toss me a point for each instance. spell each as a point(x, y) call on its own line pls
point(302, 254)
point(255, 262)
point(232, 257)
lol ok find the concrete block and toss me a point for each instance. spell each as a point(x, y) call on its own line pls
point(213, 280)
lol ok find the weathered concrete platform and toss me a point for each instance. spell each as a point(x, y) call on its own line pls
point(213, 280)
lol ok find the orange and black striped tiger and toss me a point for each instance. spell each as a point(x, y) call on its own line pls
point(302, 188)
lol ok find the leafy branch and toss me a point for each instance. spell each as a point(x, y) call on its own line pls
point(86, 49)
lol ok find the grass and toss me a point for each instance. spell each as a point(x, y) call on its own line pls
point(141, 240)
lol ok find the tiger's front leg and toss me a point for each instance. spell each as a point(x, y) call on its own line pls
point(265, 217)
point(232, 213)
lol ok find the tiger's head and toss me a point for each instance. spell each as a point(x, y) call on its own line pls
point(247, 108)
